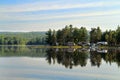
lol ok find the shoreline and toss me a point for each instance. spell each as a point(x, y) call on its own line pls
point(47, 46)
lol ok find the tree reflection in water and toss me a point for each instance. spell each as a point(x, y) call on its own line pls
point(67, 57)
point(79, 57)
point(21, 51)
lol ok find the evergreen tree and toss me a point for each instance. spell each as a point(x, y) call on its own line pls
point(49, 37)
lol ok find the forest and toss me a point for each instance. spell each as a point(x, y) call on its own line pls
point(22, 38)
point(76, 35)
point(62, 36)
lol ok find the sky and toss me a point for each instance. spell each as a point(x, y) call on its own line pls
point(41, 15)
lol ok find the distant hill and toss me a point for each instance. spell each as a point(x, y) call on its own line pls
point(25, 35)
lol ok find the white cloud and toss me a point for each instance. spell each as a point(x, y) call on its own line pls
point(57, 16)
point(53, 6)
point(106, 22)
point(42, 22)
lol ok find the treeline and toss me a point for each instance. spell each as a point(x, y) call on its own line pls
point(110, 36)
point(67, 34)
point(22, 38)
point(76, 35)
point(61, 36)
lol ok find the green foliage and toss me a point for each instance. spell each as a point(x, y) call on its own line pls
point(49, 37)
point(76, 35)
point(95, 35)
point(67, 34)
point(118, 35)
point(21, 38)
point(61, 36)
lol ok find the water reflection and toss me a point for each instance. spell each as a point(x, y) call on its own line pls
point(71, 57)
point(17, 51)
point(67, 57)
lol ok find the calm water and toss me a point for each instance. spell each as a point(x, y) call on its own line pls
point(28, 63)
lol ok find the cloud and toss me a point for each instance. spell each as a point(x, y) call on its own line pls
point(17, 17)
point(57, 16)
point(37, 6)
point(106, 22)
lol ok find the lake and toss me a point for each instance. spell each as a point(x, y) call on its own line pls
point(30, 63)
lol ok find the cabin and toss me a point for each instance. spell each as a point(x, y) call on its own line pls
point(70, 44)
point(56, 44)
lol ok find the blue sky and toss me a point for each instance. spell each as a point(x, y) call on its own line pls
point(40, 15)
